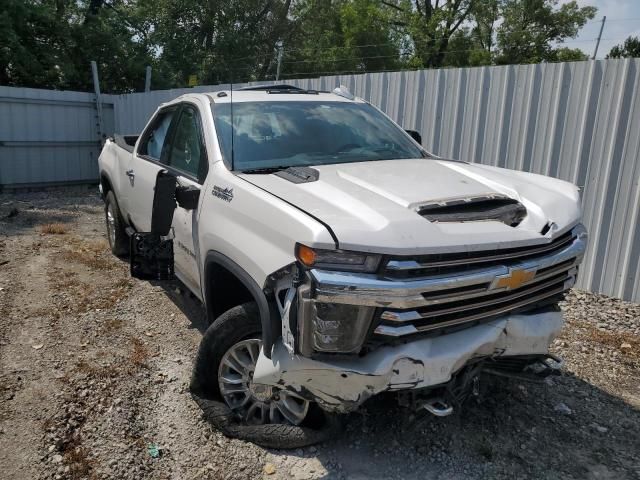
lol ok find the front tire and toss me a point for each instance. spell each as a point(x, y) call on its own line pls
point(118, 239)
point(224, 369)
point(236, 333)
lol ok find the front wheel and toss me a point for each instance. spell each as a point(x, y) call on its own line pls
point(222, 384)
point(224, 368)
point(253, 403)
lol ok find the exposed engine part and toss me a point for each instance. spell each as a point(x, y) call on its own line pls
point(525, 368)
point(443, 399)
point(438, 407)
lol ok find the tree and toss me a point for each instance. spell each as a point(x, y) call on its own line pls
point(430, 25)
point(26, 56)
point(341, 36)
point(50, 44)
point(629, 49)
point(530, 28)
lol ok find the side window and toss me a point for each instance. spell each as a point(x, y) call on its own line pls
point(155, 141)
point(187, 150)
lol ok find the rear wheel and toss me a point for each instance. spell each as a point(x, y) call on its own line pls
point(118, 239)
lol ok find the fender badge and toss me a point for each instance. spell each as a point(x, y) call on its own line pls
point(225, 194)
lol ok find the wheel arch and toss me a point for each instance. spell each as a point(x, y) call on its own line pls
point(229, 276)
point(105, 184)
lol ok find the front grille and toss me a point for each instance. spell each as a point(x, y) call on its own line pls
point(461, 262)
point(470, 304)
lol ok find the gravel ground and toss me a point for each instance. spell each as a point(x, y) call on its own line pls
point(95, 368)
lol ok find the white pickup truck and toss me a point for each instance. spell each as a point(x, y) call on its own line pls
point(335, 257)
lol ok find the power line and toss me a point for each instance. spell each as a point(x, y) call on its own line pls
point(370, 57)
point(398, 55)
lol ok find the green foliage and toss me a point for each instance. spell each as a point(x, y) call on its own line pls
point(530, 28)
point(50, 43)
point(629, 49)
point(341, 36)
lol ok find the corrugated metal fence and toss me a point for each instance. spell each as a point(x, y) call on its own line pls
point(575, 121)
point(49, 137)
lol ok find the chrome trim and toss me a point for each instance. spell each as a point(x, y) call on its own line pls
point(408, 265)
point(389, 331)
point(396, 331)
point(412, 315)
point(370, 290)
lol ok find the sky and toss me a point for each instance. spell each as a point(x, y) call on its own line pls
point(623, 19)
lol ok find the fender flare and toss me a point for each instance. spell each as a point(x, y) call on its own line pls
point(104, 176)
point(267, 320)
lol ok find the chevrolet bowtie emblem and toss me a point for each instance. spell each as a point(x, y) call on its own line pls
point(515, 279)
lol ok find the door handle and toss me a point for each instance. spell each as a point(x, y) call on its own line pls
point(130, 173)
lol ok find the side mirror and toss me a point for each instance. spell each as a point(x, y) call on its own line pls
point(151, 254)
point(187, 196)
point(415, 135)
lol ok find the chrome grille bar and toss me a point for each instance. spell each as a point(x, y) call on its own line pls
point(498, 283)
point(370, 290)
point(402, 330)
point(396, 266)
point(412, 315)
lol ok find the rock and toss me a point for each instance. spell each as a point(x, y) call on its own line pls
point(563, 408)
point(599, 428)
point(625, 346)
point(269, 469)
point(56, 458)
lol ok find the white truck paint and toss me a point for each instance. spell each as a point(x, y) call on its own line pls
point(255, 220)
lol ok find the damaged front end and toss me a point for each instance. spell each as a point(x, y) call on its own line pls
point(425, 326)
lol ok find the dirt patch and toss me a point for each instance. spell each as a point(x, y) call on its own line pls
point(105, 395)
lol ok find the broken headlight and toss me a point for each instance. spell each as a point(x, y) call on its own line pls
point(339, 328)
point(337, 259)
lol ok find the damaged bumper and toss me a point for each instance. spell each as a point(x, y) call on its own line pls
point(341, 385)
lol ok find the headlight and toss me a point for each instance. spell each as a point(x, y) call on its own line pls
point(330, 327)
point(337, 259)
point(340, 328)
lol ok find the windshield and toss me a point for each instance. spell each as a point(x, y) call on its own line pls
point(271, 135)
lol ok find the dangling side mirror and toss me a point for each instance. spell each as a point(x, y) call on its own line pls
point(151, 254)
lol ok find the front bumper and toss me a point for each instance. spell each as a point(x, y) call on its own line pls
point(341, 385)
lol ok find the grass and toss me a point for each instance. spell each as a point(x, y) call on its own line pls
point(89, 259)
point(139, 353)
point(53, 229)
point(77, 458)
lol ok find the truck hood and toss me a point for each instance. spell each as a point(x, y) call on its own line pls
point(371, 206)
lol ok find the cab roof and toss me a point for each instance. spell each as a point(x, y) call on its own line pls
point(280, 92)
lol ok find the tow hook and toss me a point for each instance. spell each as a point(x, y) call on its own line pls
point(438, 407)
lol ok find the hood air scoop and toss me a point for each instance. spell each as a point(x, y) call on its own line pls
point(475, 209)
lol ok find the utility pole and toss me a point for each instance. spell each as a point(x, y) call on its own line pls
point(279, 47)
point(595, 52)
point(96, 87)
point(147, 79)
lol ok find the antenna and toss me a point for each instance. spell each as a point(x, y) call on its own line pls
point(231, 114)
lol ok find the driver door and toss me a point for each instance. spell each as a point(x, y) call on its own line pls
point(142, 170)
point(187, 160)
